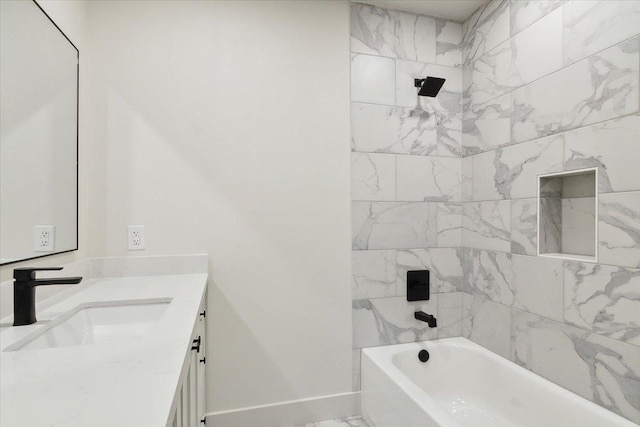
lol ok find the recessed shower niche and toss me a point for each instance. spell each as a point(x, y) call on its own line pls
point(567, 215)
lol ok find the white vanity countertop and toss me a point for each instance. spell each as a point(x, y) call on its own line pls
point(130, 383)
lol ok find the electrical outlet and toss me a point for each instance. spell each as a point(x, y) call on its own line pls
point(136, 237)
point(44, 238)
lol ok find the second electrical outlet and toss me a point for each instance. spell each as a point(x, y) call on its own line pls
point(136, 237)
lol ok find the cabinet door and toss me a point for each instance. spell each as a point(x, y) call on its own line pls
point(202, 361)
point(189, 408)
point(193, 390)
point(186, 398)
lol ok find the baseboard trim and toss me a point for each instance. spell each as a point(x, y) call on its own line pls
point(289, 413)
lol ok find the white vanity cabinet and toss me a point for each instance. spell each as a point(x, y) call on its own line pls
point(155, 379)
point(189, 402)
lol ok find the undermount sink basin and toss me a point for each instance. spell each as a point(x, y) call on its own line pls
point(96, 323)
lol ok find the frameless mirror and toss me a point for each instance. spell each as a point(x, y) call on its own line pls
point(38, 135)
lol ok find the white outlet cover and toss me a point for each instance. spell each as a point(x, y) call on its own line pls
point(135, 237)
point(44, 238)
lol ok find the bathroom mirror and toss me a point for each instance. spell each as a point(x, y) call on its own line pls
point(38, 135)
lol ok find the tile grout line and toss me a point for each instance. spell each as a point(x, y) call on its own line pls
point(534, 22)
point(563, 323)
point(546, 75)
point(559, 133)
point(430, 248)
point(602, 193)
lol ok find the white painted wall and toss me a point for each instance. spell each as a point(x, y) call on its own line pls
point(223, 127)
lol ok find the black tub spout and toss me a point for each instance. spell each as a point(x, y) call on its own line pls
point(428, 318)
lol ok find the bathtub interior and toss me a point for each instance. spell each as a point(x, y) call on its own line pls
point(474, 387)
point(385, 403)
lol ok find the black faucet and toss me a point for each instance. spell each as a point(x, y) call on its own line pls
point(24, 292)
point(421, 315)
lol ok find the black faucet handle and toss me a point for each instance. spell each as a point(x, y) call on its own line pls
point(29, 273)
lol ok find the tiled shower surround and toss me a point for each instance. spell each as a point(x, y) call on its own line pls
point(532, 87)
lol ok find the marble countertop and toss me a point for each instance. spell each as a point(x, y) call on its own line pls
point(130, 383)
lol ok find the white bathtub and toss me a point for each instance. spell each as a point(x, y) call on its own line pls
point(466, 385)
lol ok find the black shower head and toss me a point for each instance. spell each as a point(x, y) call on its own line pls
point(429, 86)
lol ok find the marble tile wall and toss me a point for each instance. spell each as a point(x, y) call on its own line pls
point(449, 184)
point(406, 176)
point(551, 86)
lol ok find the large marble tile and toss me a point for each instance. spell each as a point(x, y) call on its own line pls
point(487, 126)
point(599, 88)
point(372, 30)
point(372, 79)
point(537, 283)
point(603, 299)
point(491, 276)
point(450, 96)
point(530, 283)
point(449, 131)
point(450, 315)
point(449, 225)
point(578, 186)
point(524, 226)
point(467, 179)
point(415, 37)
point(373, 274)
point(600, 369)
point(526, 12)
point(392, 33)
point(492, 75)
point(485, 29)
point(612, 147)
point(386, 129)
point(393, 225)
point(512, 172)
point(467, 74)
point(444, 265)
point(529, 55)
point(384, 321)
point(448, 43)
point(373, 176)
point(486, 225)
point(619, 229)
point(535, 52)
point(579, 226)
point(422, 178)
point(591, 26)
point(487, 323)
point(550, 225)
point(522, 163)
